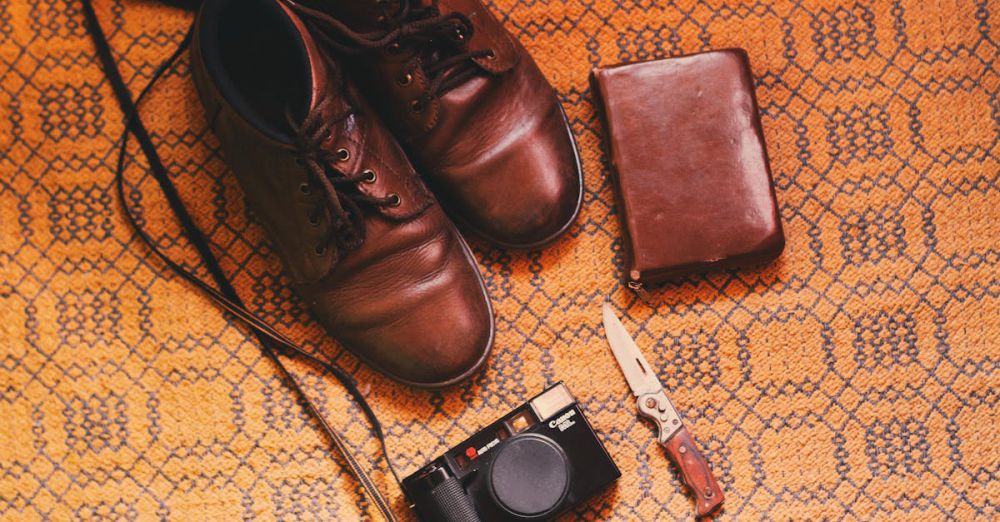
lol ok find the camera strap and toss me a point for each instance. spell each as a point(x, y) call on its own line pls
point(272, 341)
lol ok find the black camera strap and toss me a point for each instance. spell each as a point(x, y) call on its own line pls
point(272, 341)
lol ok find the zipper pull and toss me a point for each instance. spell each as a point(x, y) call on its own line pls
point(640, 290)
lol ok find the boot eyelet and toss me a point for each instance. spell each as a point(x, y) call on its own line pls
point(369, 176)
point(405, 79)
point(492, 55)
point(343, 154)
point(417, 106)
point(314, 221)
point(319, 250)
point(305, 188)
point(393, 48)
point(394, 200)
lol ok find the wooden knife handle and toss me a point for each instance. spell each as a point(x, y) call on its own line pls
point(695, 471)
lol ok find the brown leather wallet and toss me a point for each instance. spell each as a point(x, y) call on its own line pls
point(694, 185)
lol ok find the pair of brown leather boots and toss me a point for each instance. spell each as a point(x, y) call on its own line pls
point(337, 115)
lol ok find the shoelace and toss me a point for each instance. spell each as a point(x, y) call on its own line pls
point(342, 198)
point(441, 39)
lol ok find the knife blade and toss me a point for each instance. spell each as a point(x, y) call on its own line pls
point(653, 404)
point(637, 371)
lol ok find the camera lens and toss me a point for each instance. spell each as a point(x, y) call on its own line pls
point(529, 476)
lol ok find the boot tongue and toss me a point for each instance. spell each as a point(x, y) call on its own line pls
point(319, 82)
point(362, 146)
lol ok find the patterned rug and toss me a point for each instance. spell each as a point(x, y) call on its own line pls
point(856, 378)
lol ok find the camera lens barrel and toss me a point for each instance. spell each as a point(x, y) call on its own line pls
point(530, 476)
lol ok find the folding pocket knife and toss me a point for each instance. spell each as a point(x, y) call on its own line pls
point(654, 405)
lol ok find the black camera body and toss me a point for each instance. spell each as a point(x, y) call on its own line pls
point(534, 463)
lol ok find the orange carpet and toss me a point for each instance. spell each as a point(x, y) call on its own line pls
point(854, 379)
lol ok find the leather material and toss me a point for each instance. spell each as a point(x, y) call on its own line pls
point(410, 300)
point(497, 149)
point(488, 35)
point(694, 183)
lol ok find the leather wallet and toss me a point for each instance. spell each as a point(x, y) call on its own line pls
point(694, 185)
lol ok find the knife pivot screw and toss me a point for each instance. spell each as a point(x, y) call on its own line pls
point(676, 421)
point(683, 450)
point(650, 403)
point(709, 492)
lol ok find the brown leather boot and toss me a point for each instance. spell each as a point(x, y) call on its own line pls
point(470, 107)
point(370, 250)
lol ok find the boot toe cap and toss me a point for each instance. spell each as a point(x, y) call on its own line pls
point(531, 193)
point(431, 328)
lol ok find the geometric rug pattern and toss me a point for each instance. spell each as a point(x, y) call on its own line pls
point(855, 378)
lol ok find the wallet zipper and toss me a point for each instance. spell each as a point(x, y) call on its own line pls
point(640, 290)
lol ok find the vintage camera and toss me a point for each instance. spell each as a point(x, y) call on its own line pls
point(536, 462)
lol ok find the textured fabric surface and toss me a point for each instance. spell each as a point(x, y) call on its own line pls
point(855, 378)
